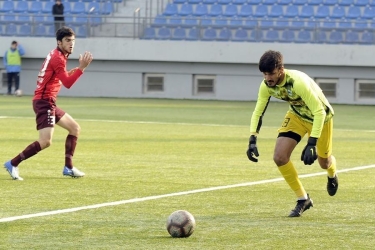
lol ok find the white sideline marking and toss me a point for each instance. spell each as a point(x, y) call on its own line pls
point(176, 123)
point(115, 203)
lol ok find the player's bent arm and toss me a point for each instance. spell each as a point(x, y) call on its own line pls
point(260, 109)
point(67, 80)
point(310, 96)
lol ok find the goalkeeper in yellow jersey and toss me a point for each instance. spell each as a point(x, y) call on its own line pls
point(309, 113)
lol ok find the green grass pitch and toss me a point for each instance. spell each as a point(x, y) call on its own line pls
point(143, 152)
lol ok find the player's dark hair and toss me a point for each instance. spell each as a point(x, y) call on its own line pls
point(63, 32)
point(270, 61)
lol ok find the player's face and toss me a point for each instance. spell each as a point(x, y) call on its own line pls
point(273, 78)
point(67, 44)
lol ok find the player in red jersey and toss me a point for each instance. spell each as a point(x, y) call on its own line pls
point(52, 75)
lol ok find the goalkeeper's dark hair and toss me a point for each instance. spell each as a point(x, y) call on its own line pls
point(63, 32)
point(270, 61)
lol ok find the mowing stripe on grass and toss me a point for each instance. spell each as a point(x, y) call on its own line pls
point(173, 123)
point(115, 203)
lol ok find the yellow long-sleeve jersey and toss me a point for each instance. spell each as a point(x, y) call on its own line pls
point(305, 99)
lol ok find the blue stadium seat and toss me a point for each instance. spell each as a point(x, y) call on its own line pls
point(25, 30)
point(367, 37)
point(353, 12)
point(209, 34)
point(206, 21)
point(369, 13)
point(224, 1)
point(79, 8)
point(179, 1)
point(299, 2)
point(304, 36)
point(352, 37)
point(250, 23)
point(307, 11)
point(240, 2)
point(254, 2)
point(330, 2)
point(269, 2)
point(49, 19)
point(11, 29)
point(81, 31)
point(240, 35)
point(323, 11)
point(159, 21)
point(271, 36)
point(328, 24)
point(8, 6)
point(235, 22)
point(291, 11)
point(336, 37)
point(266, 23)
point(149, 33)
point(220, 21)
point(321, 36)
point(82, 19)
point(346, 2)
point(224, 35)
point(285, 2)
point(171, 9)
point(47, 7)
point(38, 18)
point(276, 11)
point(194, 1)
point(21, 6)
point(190, 21)
point(372, 3)
point(92, 8)
point(255, 36)
point(361, 2)
point(40, 30)
point(164, 33)
point(230, 10)
point(50, 31)
point(107, 8)
point(69, 20)
point(209, 1)
point(201, 10)
point(179, 34)
point(67, 8)
point(344, 24)
point(23, 17)
point(261, 11)
point(282, 23)
point(175, 21)
point(193, 34)
point(338, 12)
point(246, 10)
point(361, 25)
point(9, 17)
point(216, 10)
point(186, 10)
point(287, 36)
point(297, 23)
point(35, 7)
point(315, 2)
point(95, 20)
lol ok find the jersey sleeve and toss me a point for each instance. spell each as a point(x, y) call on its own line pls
point(260, 108)
point(62, 74)
point(309, 91)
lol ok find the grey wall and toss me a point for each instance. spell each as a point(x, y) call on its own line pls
point(119, 64)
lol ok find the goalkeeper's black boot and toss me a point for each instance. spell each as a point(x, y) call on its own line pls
point(302, 205)
point(332, 185)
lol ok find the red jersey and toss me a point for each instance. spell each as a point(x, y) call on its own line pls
point(52, 74)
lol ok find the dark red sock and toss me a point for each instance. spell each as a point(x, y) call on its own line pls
point(70, 146)
point(29, 151)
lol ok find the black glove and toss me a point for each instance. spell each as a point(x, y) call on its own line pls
point(309, 152)
point(253, 149)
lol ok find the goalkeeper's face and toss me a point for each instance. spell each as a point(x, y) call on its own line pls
point(67, 44)
point(273, 78)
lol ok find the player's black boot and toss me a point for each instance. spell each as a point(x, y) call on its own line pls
point(301, 206)
point(332, 185)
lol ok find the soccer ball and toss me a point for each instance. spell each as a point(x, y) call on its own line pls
point(18, 92)
point(180, 224)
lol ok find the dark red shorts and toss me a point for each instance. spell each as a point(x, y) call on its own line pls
point(47, 113)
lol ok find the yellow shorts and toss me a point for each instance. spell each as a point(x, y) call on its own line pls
point(292, 123)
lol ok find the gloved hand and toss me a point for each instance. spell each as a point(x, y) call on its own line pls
point(309, 152)
point(253, 149)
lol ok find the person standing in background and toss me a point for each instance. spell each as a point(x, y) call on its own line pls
point(12, 64)
point(58, 13)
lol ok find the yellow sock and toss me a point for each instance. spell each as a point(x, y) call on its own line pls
point(290, 175)
point(331, 171)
